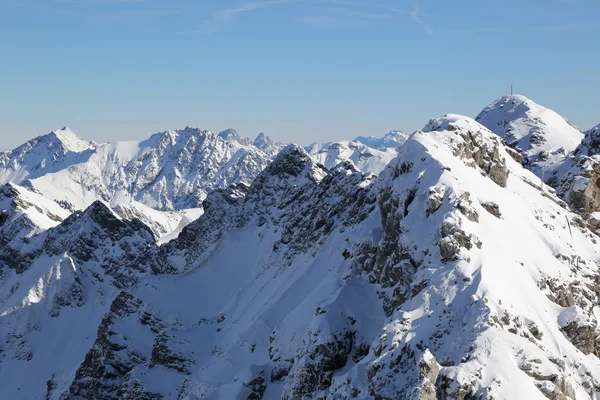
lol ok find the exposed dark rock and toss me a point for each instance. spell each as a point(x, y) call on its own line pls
point(584, 337)
point(165, 354)
point(492, 208)
point(257, 386)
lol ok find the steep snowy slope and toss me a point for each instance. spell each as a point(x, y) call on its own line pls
point(392, 139)
point(23, 216)
point(51, 305)
point(451, 275)
point(540, 134)
point(365, 158)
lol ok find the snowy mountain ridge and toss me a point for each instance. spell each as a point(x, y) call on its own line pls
point(455, 273)
point(170, 170)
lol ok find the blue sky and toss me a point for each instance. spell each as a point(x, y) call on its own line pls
point(299, 70)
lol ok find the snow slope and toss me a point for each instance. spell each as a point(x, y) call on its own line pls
point(540, 134)
point(52, 303)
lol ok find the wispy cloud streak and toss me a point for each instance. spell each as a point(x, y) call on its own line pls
point(229, 13)
point(415, 15)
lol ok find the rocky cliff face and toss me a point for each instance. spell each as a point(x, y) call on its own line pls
point(577, 178)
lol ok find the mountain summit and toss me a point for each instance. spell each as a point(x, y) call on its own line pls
point(540, 134)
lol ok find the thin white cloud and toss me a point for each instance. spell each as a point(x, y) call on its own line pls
point(361, 14)
point(528, 28)
point(329, 22)
point(415, 15)
point(229, 13)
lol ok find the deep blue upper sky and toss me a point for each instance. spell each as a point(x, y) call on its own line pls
point(300, 70)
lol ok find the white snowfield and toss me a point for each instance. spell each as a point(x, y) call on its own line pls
point(453, 274)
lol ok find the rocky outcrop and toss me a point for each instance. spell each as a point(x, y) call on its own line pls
point(477, 149)
point(165, 353)
point(104, 374)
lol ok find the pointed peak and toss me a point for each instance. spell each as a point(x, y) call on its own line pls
point(100, 209)
point(232, 136)
point(266, 144)
point(261, 136)
point(262, 140)
point(68, 139)
point(294, 150)
point(292, 160)
point(108, 220)
point(395, 134)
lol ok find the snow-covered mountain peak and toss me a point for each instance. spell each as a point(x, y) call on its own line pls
point(69, 140)
point(43, 154)
point(294, 161)
point(454, 274)
point(391, 139)
point(261, 138)
point(268, 145)
point(232, 135)
point(171, 137)
point(540, 134)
